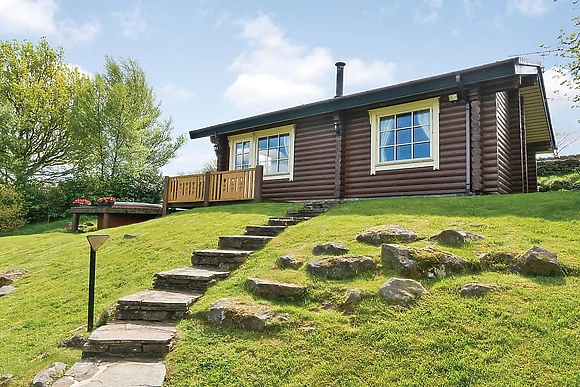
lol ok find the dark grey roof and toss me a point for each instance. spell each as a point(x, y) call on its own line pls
point(487, 72)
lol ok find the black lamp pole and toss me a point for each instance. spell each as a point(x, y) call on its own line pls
point(92, 270)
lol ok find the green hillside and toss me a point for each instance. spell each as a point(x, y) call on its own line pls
point(525, 334)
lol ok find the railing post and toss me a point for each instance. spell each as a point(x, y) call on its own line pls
point(258, 183)
point(165, 196)
point(207, 189)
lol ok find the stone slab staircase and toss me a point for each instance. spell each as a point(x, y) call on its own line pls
point(129, 349)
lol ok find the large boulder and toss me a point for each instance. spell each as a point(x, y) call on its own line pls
point(290, 262)
point(233, 312)
point(271, 289)
point(11, 275)
point(331, 248)
point(417, 263)
point(498, 261)
point(537, 261)
point(386, 234)
point(49, 375)
point(476, 290)
point(340, 267)
point(452, 237)
point(402, 291)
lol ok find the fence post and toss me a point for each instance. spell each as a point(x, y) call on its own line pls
point(258, 183)
point(207, 189)
point(165, 199)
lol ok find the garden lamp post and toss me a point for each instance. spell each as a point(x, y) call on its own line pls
point(95, 240)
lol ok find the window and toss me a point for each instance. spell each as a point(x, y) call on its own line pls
point(272, 148)
point(405, 136)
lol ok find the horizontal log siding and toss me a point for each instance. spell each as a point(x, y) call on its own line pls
point(532, 171)
point(516, 158)
point(489, 142)
point(449, 179)
point(503, 143)
point(314, 163)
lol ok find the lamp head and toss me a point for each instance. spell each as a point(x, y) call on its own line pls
point(96, 240)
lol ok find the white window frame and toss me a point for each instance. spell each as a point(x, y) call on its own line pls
point(375, 116)
point(253, 138)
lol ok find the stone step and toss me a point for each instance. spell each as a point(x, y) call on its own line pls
point(305, 213)
point(287, 221)
point(110, 372)
point(189, 279)
point(243, 242)
point(224, 260)
point(154, 305)
point(130, 339)
point(264, 230)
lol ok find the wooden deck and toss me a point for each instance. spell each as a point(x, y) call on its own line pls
point(109, 216)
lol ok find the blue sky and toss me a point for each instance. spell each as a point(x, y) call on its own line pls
point(214, 61)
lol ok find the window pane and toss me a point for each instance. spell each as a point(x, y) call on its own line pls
point(238, 159)
point(404, 120)
point(421, 150)
point(262, 143)
point(283, 166)
point(284, 152)
point(388, 138)
point(422, 133)
point(284, 139)
point(238, 148)
point(272, 141)
point(387, 123)
point(387, 154)
point(246, 159)
point(404, 152)
point(262, 156)
point(403, 136)
point(246, 147)
point(421, 117)
point(273, 153)
point(272, 166)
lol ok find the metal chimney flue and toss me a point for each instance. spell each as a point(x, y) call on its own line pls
point(339, 78)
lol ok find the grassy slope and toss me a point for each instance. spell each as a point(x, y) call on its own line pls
point(50, 302)
point(525, 335)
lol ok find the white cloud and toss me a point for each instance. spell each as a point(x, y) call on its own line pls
point(428, 11)
point(276, 72)
point(558, 90)
point(174, 92)
point(25, 17)
point(132, 23)
point(531, 8)
point(80, 69)
point(470, 8)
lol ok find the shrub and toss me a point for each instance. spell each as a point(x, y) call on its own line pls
point(10, 209)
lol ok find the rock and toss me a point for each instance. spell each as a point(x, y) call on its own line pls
point(129, 236)
point(537, 261)
point(453, 236)
point(352, 298)
point(288, 261)
point(339, 267)
point(271, 289)
point(331, 248)
point(386, 234)
point(77, 341)
point(231, 311)
point(496, 261)
point(11, 275)
point(476, 290)
point(48, 375)
point(402, 291)
point(5, 379)
point(4, 290)
point(417, 263)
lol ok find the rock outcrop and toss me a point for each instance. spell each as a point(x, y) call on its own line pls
point(453, 236)
point(417, 263)
point(11, 275)
point(537, 261)
point(402, 291)
point(233, 312)
point(476, 290)
point(386, 234)
point(331, 248)
point(340, 267)
point(289, 262)
point(49, 375)
point(271, 289)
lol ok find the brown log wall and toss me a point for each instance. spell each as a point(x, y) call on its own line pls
point(449, 179)
point(516, 159)
point(489, 142)
point(503, 143)
point(532, 171)
point(314, 163)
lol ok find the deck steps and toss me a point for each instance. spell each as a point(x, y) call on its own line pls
point(188, 279)
point(264, 230)
point(131, 339)
point(154, 305)
point(243, 242)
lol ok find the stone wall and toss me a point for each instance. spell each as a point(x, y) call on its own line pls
point(558, 165)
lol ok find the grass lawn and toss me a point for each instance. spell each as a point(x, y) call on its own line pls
point(527, 334)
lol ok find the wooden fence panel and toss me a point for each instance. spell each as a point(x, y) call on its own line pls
point(232, 185)
point(186, 189)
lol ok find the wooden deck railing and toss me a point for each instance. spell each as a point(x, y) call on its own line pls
point(243, 184)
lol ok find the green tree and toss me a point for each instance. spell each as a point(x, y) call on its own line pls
point(10, 209)
point(37, 90)
point(128, 140)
